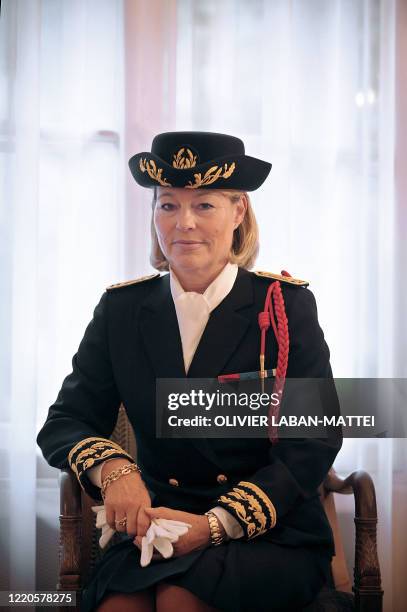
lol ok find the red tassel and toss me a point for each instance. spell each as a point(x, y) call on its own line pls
point(280, 329)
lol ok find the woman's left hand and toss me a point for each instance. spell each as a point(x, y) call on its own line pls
point(197, 537)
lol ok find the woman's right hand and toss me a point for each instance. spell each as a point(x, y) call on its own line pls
point(126, 497)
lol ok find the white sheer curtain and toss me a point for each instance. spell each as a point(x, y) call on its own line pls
point(61, 204)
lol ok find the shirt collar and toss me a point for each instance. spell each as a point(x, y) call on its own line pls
point(217, 290)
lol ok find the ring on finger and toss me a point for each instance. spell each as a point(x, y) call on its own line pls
point(121, 522)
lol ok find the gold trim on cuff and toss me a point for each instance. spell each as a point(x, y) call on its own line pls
point(260, 493)
point(89, 452)
point(254, 509)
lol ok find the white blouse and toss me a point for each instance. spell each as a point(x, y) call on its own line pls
point(193, 309)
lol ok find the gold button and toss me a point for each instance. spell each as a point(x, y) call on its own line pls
point(221, 478)
point(174, 482)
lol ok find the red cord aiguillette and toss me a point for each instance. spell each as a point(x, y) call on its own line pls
point(283, 342)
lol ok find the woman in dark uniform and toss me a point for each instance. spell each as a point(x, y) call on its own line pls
point(258, 538)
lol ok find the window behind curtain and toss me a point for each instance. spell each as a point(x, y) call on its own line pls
point(61, 209)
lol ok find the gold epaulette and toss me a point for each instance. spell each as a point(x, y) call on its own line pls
point(284, 279)
point(132, 282)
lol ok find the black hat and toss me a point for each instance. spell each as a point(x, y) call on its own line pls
point(198, 160)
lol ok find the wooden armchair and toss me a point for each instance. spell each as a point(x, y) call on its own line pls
point(79, 550)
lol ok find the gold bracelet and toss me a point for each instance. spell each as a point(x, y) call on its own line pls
point(216, 535)
point(115, 474)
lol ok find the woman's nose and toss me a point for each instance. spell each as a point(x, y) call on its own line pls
point(185, 220)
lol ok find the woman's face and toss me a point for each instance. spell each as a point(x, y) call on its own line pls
point(195, 226)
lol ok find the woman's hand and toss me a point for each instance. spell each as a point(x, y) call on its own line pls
point(126, 497)
point(197, 537)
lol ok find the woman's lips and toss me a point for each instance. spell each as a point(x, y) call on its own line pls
point(188, 244)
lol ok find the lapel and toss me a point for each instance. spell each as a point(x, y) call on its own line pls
point(224, 331)
point(160, 332)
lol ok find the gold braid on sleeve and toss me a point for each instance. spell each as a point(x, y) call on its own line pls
point(90, 452)
point(252, 508)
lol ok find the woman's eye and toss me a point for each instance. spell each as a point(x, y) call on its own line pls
point(167, 206)
point(205, 206)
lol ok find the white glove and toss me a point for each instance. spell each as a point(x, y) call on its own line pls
point(160, 535)
point(101, 523)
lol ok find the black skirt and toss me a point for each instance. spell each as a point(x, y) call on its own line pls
point(237, 576)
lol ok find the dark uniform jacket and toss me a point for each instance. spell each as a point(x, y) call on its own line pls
point(133, 339)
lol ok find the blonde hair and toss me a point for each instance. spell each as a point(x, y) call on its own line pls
point(245, 244)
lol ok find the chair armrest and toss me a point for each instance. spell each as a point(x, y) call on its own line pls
point(78, 548)
point(367, 580)
point(70, 518)
point(361, 485)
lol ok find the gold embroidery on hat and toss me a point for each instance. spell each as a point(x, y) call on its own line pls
point(153, 172)
point(212, 175)
point(182, 160)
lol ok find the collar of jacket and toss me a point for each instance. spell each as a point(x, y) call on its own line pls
point(227, 324)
